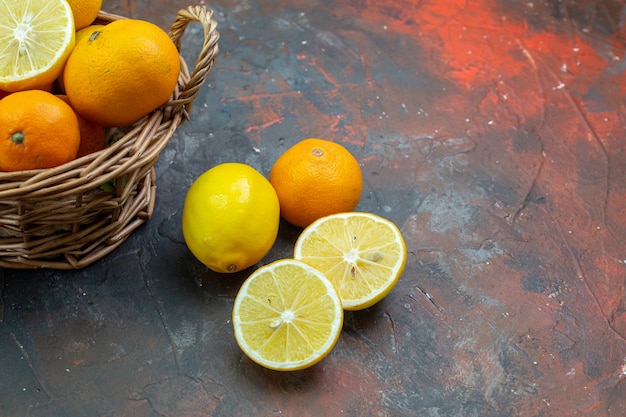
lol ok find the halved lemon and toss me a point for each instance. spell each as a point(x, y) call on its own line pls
point(36, 37)
point(362, 254)
point(287, 316)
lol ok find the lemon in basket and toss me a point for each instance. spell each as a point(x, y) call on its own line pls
point(287, 316)
point(121, 72)
point(230, 217)
point(362, 254)
point(36, 36)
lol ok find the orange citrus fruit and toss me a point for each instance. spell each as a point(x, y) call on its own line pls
point(92, 138)
point(362, 254)
point(287, 316)
point(230, 217)
point(37, 130)
point(36, 36)
point(80, 34)
point(84, 11)
point(315, 178)
point(121, 72)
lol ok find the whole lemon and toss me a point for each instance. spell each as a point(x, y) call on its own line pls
point(230, 217)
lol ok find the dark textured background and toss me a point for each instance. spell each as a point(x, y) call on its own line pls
point(491, 131)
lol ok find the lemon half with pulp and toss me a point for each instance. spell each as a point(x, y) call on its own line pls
point(287, 316)
point(36, 38)
point(362, 254)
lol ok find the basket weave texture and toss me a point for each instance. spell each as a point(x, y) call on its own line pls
point(72, 215)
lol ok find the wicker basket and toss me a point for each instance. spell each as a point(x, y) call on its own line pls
point(72, 215)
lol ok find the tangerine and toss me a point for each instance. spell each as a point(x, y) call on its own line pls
point(92, 137)
point(84, 11)
point(80, 34)
point(315, 178)
point(121, 72)
point(37, 130)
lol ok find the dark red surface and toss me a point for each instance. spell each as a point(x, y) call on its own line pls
point(492, 132)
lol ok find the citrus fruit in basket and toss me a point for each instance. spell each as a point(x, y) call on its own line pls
point(84, 11)
point(362, 254)
point(121, 72)
point(315, 178)
point(80, 34)
point(287, 316)
point(36, 36)
point(37, 130)
point(230, 217)
point(92, 137)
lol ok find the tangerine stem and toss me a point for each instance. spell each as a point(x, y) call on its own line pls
point(17, 138)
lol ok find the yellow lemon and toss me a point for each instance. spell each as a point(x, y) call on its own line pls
point(287, 316)
point(230, 217)
point(362, 254)
point(36, 36)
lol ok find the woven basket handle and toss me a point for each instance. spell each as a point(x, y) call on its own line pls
point(207, 55)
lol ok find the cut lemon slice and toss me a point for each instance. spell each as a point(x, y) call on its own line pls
point(362, 254)
point(287, 316)
point(36, 37)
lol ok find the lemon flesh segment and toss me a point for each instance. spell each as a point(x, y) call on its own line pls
point(362, 254)
point(36, 37)
point(287, 316)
